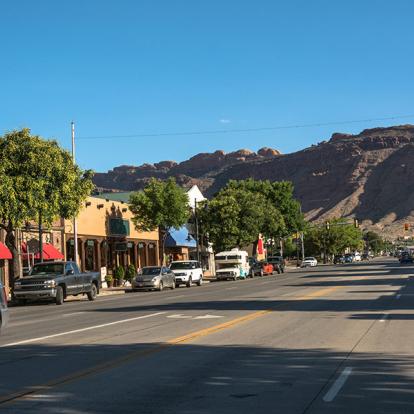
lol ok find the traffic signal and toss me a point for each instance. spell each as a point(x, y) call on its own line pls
point(406, 226)
point(356, 223)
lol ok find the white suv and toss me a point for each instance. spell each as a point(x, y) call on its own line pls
point(187, 272)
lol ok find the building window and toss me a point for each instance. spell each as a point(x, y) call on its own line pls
point(90, 255)
point(142, 254)
point(152, 254)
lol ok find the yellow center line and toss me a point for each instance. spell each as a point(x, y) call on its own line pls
point(115, 363)
point(319, 293)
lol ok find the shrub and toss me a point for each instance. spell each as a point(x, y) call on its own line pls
point(119, 273)
point(130, 272)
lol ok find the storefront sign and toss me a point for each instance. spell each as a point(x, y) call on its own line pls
point(118, 227)
point(121, 247)
point(103, 273)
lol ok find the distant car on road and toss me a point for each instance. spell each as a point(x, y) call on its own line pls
point(154, 278)
point(339, 259)
point(406, 258)
point(349, 258)
point(186, 272)
point(261, 269)
point(357, 257)
point(4, 312)
point(278, 263)
point(309, 261)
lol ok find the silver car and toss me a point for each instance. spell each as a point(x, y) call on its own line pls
point(154, 278)
point(4, 312)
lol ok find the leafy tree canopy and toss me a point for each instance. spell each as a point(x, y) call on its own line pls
point(335, 240)
point(279, 195)
point(243, 209)
point(37, 177)
point(162, 204)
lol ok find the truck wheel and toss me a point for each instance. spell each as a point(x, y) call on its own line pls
point(59, 295)
point(93, 292)
point(161, 286)
point(261, 273)
point(189, 282)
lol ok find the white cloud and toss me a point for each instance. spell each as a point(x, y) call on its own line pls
point(225, 121)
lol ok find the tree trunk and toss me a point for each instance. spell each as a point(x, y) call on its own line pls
point(163, 237)
point(11, 243)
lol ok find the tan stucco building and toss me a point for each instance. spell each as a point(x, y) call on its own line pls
point(107, 237)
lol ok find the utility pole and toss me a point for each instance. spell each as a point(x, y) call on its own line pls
point(297, 249)
point(303, 246)
point(196, 228)
point(40, 237)
point(75, 224)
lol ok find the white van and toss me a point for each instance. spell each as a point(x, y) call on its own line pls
point(187, 272)
point(232, 264)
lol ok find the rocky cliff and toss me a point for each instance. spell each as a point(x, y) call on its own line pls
point(369, 176)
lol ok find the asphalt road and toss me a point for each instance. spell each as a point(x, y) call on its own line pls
point(332, 339)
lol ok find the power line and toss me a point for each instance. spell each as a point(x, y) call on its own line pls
point(229, 131)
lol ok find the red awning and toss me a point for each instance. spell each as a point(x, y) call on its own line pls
point(49, 252)
point(5, 253)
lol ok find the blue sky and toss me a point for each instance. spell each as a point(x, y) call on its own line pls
point(135, 67)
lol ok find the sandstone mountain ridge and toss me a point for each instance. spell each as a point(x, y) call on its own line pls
point(369, 175)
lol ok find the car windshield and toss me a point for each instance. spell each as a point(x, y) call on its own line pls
point(183, 265)
point(47, 269)
point(309, 258)
point(151, 271)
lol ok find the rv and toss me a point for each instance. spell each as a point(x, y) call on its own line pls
point(232, 264)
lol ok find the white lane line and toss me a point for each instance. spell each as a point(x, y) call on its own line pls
point(175, 297)
point(180, 316)
point(230, 288)
point(208, 317)
point(384, 317)
point(89, 328)
point(73, 313)
point(337, 385)
point(398, 296)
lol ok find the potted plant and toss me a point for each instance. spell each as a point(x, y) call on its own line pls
point(109, 280)
point(130, 273)
point(119, 275)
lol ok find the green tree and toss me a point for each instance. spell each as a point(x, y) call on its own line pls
point(333, 240)
point(161, 205)
point(243, 209)
point(234, 217)
point(37, 177)
point(375, 242)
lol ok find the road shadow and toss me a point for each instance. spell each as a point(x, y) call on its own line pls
point(190, 378)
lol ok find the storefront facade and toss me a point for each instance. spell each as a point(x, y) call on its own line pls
point(107, 238)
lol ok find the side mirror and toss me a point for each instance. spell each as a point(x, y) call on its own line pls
point(70, 272)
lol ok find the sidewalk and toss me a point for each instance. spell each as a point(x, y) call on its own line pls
point(113, 291)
